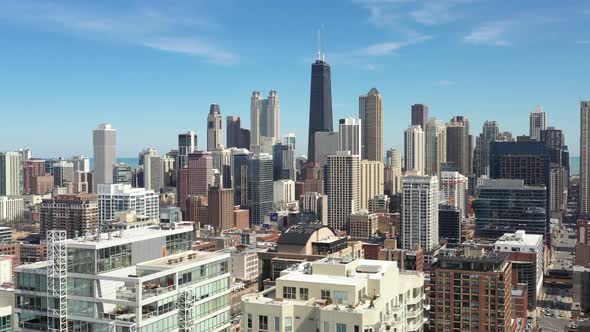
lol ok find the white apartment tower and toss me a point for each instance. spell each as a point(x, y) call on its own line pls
point(419, 215)
point(538, 123)
point(453, 187)
point(393, 172)
point(349, 136)
point(214, 128)
point(283, 192)
point(316, 203)
point(343, 188)
point(105, 153)
point(114, 198)
point(11, 173)
point(265, 119)
point(153, 171)
point(414, 149)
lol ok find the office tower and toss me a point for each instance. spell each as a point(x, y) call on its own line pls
point(260, 187)
point(265, 119)
point(584, 158)
point(343, 181)
point(35, 180)
point(81, 163)
point(436, 146)
point(83, 182)
point(346, 290)
point(197, 209)
point(105, 153)
point(237, 137)
point(222, 160)
point(414, 149)
point(283, 158)
point(393, 172)
point(453, 187)
point(11, 174)
point(459, 144)
point(316, 203)
point(420, 115)
point(537, 123)
point(350, 136)
point(170, 171)
point(153, 171)
point(214, 128)
point(313, 178)
point(283, 193)
point(115, 198)
point(559, 174)
point(63, 173)
point(485, 288)
point(372, 181)
point(221, 208)
point(326, 143)
point(76, 214)
point(196, 178)
point(320, 103)
point(449, 224)
point(123, 173)
point(11, 209)
point(371, 115)
point(25, 153)
point(379, 204)
point(162, 265)
point(240, 159)
point(187, 143)
point(363, 225)
point(504, 206)
point(527, 257)
point(481, 154)
point(419, 213)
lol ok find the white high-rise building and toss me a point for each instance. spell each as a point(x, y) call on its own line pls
point(316, 203)
point(419, 215)
point(81, 163)
point(153, 171)
point(63, 173)
point(283, 192)
point(113, 198)
point(339, 295)
point(265, 119)
point(453, 187)
point(11, 173)
point(436, 146)
point(214, 128)
point(343, 188)
point(11, 208)
point(393, 172)
point(414, 149)
point(537, 123)
point(372, 181)
point(105, 153)
point(349, 135)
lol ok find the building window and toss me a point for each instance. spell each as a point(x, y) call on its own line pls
point(277, 324)
point(326, 326)
point(340, 327)
point(288, 324)
point(263, 323)
point(249, 322)
point(289, 292)
point(325, 294)
point(303, 293)
point(340, 297)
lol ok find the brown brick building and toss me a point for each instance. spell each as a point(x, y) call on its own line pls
point(76, 214)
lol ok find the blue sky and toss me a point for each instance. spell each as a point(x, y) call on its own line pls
point(151, 68)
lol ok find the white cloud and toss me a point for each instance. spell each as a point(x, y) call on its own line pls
point(387, 48)
point(159, 28)
point(493, 33)
point(434, 12)
point(193, 47)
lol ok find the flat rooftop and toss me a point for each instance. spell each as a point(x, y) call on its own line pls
point(519, 239)
point(182, 259)
point(129, 236)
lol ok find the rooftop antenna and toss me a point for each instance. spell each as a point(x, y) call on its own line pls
point(319, 55)
point(323, 42)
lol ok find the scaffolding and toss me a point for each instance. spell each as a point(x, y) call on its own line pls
point(57, 283)
point(185, 312)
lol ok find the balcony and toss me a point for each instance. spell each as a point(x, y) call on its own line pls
point(123, 314)
point(413, 313)
point(391, 319)
point(127, 294)
point(33, 326)
point(150, 290)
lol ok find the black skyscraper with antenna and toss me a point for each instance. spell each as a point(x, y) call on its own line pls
point(320, 100)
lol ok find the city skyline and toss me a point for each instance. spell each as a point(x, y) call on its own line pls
point(151, 89)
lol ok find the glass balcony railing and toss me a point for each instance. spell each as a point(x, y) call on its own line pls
point(127, 294)
point(150, 292)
